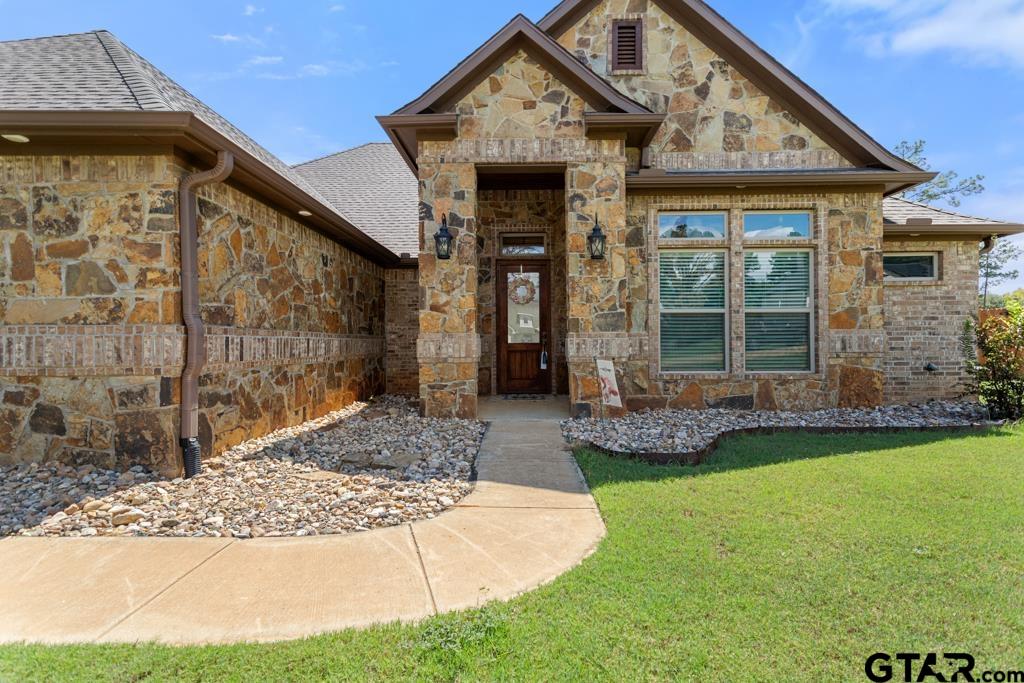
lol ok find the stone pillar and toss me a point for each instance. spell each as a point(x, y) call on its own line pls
point(598, 291)
point(856, 303)
point(448, 348)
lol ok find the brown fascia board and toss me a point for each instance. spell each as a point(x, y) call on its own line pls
point(974, 230)
point(405, 131)
point(773, 78)
point(521, 32)
point(191, 134)
point(640, 129)
point(893, 181)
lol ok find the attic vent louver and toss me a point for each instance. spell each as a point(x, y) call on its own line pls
point(627, 45)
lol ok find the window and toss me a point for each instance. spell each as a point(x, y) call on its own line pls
point(627, 45)
point(522, 245)
point(692, 295)
point(778, 299)
point(691, 226)
point(911, 267)
point(776, 226)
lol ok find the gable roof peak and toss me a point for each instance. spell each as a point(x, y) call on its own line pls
point(521, 32)
point(774, 79)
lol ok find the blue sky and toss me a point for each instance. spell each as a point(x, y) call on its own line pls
point(306, 78)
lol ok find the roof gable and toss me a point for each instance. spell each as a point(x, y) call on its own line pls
point(521, 34)
point(775, 80)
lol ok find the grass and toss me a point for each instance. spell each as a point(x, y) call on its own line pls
point(790, 557)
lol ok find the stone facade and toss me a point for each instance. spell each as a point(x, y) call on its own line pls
point(717, 118)
point(924, 320)
point(848, 312)
point(91, 341)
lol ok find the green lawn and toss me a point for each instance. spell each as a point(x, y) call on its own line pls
point(790, 557)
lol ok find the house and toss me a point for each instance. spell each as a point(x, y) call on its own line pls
point(627, 180)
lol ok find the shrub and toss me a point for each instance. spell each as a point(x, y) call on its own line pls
point(994, 350)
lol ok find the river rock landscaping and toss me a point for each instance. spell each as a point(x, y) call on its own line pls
point(685, 431)
point(369, 465)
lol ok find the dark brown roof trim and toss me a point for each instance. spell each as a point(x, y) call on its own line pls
point(971, 230)
point(773, 78)
point(640, 129)
point(405, 131)
point(521, 32)
point(193, 135)
point(893, 181)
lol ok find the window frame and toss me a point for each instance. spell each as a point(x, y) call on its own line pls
point(613, 44)
point(811, 228)
point(688, 242)
point(936, 264)
point(724, 311)
point(810, 310)
point(500, 243)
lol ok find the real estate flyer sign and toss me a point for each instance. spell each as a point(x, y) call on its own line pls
point(610, 395)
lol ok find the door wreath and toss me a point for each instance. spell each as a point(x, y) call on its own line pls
point(522, 291)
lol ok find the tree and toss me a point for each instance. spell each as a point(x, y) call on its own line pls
point(947, 186)
point(996, 267)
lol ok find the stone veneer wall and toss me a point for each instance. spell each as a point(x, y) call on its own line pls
point(849, 335)
point(717, 118)
point(523, 211)
point(401, 327)
point(924, 320)
point(91, 341)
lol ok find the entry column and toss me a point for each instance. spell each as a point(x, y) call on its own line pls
point(448, 347)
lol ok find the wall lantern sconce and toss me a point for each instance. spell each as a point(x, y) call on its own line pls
point(596, 242)
point(443, 240)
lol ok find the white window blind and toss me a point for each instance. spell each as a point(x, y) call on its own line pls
point(778, 297)
point(692, 295)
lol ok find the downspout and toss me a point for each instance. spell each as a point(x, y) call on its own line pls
point(195, 356)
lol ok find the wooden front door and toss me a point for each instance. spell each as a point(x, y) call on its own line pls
point(524, 327)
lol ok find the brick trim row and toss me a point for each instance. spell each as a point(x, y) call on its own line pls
point(150, 350)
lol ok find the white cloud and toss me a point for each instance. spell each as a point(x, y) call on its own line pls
point(233, 38)
point(321, 70)
point(977, 31)
point(338, 7)
point(252, 10)
point(261, 60)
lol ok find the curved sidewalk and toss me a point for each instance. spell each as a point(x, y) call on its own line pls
point(529, 519)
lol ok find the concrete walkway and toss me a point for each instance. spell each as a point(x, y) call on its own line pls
point(529, 519)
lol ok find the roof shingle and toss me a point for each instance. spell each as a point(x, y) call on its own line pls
point(374, 187)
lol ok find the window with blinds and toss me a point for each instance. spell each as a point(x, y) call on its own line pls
point(778, 297)
point(692, 286)
point(627, 45)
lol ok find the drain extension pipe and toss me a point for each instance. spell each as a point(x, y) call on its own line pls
point(195, 357)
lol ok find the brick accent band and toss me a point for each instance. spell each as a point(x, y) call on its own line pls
point(448, 347)
point(606, 347)
point(149, 350)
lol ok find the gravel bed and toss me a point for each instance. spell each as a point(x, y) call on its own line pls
point(367, 466)
point(685, 431)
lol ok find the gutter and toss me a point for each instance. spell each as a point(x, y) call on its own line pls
point(196, 333)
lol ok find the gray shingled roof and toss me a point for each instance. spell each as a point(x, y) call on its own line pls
point(374, 187)
point(97, 72)
point(898, 211)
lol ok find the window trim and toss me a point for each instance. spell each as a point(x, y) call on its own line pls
point(811, 228)
point(616, 66)
point(812, 294)
point(688, 242)
point(500, 243)
point(725, 310)
point(936, 261)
